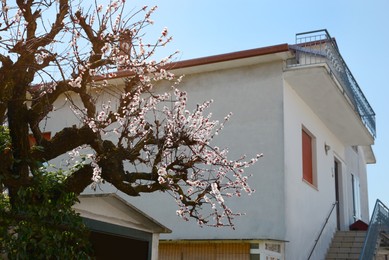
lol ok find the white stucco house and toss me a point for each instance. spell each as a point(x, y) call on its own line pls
point(301, 107)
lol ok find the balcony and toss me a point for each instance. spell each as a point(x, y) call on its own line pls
point(320, 76)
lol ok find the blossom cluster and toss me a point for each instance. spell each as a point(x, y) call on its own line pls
point(178, 142)
point(211, 176)
point(122, 47)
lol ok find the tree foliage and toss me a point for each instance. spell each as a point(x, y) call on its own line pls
point(128, 133)
point(41, 223)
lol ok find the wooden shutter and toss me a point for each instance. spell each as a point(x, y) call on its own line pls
point(307, 157)
point(31, 139)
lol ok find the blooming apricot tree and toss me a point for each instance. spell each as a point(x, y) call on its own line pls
point(137, 139)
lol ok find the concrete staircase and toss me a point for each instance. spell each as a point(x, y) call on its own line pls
point(346, 245)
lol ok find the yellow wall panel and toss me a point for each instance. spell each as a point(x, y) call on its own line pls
point(204, 251)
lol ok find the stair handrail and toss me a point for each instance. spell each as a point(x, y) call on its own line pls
point(379, 222)
point(322, 229)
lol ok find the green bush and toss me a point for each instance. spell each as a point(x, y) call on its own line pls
point(5, 139)
point(41, 224)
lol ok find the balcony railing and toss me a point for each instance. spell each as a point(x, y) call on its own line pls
point(318, 47)
point(378, 226)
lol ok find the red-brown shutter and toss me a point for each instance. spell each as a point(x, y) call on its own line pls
point(31, 139)
point(307, 157)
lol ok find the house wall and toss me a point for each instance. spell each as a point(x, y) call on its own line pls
point(267, 118)
point(308, 206)
point(365, 212)
point(357, 167)
point(254, 95)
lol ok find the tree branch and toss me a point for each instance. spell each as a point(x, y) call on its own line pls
point(65, 140)
point(79, 180)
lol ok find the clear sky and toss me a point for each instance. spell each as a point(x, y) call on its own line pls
point(361, 28)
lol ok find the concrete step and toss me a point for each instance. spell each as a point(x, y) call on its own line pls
point(342, 256)
point(346, 245)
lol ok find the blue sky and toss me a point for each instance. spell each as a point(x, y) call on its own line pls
point(204, 27)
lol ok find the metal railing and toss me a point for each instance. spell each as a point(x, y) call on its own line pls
point(318, 47)
point(322, 229)
point(379, 223)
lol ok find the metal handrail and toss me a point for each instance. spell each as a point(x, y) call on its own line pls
point(319, 47)
point(322, 229)
point(379, 222)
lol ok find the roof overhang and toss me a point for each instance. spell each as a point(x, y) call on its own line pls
point(279, 52)
point(369, 154)
point(111, 208)
point(326, 97)
point(231, 60)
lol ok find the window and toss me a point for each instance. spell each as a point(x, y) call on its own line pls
point(255, 257)
point(308, 157)
point(266, 250)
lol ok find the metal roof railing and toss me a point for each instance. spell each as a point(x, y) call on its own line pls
point(318, 47)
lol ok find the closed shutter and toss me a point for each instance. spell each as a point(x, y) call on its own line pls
point(307, 157)
point(32, 141)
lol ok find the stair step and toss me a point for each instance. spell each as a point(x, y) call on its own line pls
point(342, 256)
point(349, 239)
point(351, 234)
point(346, 245)
point(353, 250)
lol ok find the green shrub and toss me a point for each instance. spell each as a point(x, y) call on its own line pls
point(41, 224)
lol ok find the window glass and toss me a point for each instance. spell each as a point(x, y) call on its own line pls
point(255, 257)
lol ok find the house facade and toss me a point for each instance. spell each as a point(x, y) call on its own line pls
point(301, 107)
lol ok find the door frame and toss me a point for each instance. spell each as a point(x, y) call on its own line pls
point(339, 192)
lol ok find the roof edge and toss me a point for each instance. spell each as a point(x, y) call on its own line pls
point(213, 59)
point(228, 56)
point(163, 228)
